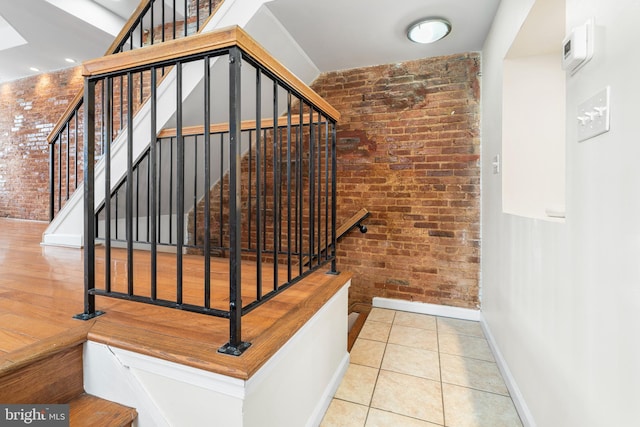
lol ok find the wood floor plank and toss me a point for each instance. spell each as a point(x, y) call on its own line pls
point(10, 340)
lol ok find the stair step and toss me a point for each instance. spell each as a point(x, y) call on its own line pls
point(88, 410)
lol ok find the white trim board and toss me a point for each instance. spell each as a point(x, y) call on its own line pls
point(516, 395)
point(425, 308)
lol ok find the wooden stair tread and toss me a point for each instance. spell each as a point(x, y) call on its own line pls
point(88, 410)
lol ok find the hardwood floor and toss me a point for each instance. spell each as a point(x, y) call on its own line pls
point(41, 288)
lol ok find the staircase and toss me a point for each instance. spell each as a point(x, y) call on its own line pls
point(51, 372)
point(66, 174)
point(66, 189)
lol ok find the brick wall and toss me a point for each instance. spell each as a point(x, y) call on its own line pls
point(29, 108)
point(408, 151)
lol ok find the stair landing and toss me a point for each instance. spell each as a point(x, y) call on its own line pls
point(41, 289)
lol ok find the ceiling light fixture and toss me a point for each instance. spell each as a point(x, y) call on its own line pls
point(70, 60)
point(429, 30)
point(34, 69)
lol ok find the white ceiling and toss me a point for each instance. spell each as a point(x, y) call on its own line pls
point(335, 34)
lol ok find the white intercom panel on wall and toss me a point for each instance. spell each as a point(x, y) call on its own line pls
point(577, 47)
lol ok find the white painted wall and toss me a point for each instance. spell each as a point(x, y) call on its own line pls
point(561, 300)
point(533, 135)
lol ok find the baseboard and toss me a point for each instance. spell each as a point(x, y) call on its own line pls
point(425, 308)
point(329, 392)
point(64, 240)
point(518, 400)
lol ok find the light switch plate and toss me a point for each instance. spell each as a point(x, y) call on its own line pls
point(594, 116)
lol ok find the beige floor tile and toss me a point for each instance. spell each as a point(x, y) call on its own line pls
point(464, 345)
point(376, 331)
point(447, 325)
point(465, 407)
point(378, 418)
point(408, 395)
point(415, 320)
point(412, 361)
point(414, 337)
point(344, 414)
point(367, 352)
point(473, 373)
point(357, 384)
point(381, 315)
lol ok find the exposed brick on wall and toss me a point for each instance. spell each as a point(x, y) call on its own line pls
point(408, 151)
point(29, 108)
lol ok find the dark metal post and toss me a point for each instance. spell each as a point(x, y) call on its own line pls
point(107, 111)
point(52, 187)
point(153, 212)
point(180, 184)
point(235, 346)
point(89, 196)
point(207, 183)
point(333, 199)
point(129, 190)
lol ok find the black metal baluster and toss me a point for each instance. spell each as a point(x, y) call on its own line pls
point(180, 184)
point(299, 192)
point(163, 24)
point(195, 187)
point(276, 187)
point(289, 273)
point(68, 167)
point(259, 190)
point(153, 212)
point(319, 189)
point(326, 187)
point(107, 185)
point(129, 191)
point(159, 178)
point(186, 17)
point(333, 198)
point(75, 138)
point(52, 169)
point(137, 195)
point(312, 194)
point(249, 204)
point(207, 183)
point(197, 15)
point(264, 195)
point(60, 174)
point(172, 141)
point(221, 212)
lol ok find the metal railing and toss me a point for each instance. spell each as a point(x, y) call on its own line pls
point(153, 22)
point(231, 155)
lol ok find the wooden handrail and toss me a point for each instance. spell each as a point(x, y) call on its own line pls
point(348, 225)
point(202, 43)
point(77, 100)
point(113, 48)
point(224, 127)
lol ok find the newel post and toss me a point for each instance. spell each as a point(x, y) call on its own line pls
point(235, 346)
point(89, 197)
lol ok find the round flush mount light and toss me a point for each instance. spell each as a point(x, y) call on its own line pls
point(429, 30)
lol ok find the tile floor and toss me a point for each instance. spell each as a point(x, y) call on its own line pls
point(416, 370)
